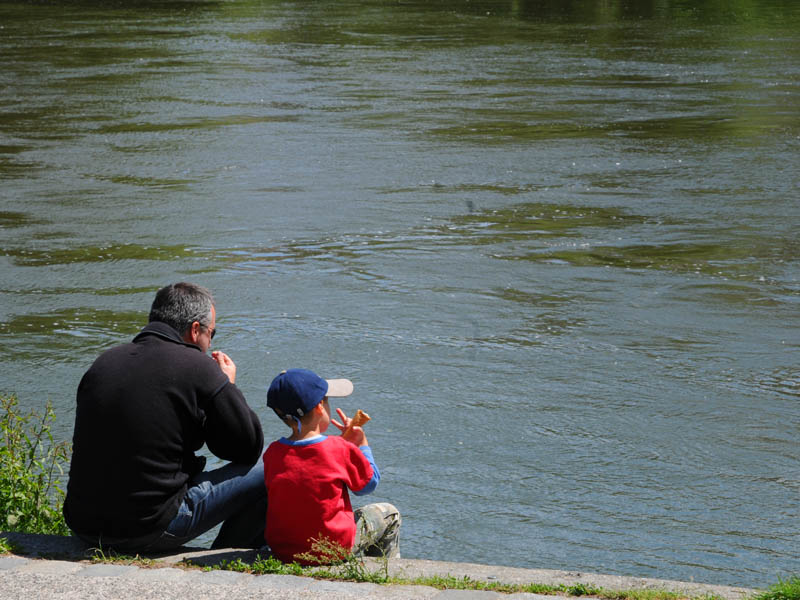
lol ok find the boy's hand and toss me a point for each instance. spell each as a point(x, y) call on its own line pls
point(355, 435)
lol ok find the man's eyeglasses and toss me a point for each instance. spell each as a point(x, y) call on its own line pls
point(211, 332)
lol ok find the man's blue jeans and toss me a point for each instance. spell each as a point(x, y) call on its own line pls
point(234, 495)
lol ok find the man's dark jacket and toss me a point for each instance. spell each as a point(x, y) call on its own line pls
point(143, 410)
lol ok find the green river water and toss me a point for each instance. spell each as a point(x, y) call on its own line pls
point(554, 245)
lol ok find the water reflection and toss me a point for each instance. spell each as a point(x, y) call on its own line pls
point(531, 219)
point(205, 124)
point(68, 335)
point(29, 257)
point(17, 219)
point(78, 322)
point(541, 300)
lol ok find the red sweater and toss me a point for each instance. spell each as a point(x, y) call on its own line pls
point(307, 485)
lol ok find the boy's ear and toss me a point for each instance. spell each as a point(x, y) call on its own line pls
point(319, 409)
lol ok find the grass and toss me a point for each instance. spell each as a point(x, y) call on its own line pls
point(354, 569)
point(102, 556)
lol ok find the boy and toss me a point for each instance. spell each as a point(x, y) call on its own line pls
point(308, 474)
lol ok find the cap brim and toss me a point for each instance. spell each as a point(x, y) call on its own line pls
point(339, 388)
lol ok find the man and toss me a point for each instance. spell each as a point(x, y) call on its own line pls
point(143, 409)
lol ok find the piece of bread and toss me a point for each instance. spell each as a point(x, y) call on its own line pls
point(358, 420)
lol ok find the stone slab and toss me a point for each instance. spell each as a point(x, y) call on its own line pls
point(403, 592)
point(221, 577)
point(12, 562)
point(165, 574)
point(280, 582)
point(51, 567)
point(106, 570)
point(466, 595)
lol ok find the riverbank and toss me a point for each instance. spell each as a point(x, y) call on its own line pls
point(61, 567)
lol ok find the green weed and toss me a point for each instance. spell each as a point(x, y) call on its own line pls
point(788, 589)
point(8, 547)
point(326, 560)
point(581, 589)
point(110, 556)
point(340, 563)
point(263, 566)
point(31, 463)
point(450, 582)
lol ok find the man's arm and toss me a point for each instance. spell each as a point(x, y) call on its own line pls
point(233, 431)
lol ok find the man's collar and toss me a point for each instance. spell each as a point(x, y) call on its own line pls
point(164, 331)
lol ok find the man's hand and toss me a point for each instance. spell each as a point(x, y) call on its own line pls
point(226, 364)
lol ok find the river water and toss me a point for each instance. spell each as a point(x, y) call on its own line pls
point(554, 245)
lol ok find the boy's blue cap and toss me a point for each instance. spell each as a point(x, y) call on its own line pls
point(297, 391)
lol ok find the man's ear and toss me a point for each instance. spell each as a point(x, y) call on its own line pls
point(192, 333)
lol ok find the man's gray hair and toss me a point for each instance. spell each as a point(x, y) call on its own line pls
point(181, 304)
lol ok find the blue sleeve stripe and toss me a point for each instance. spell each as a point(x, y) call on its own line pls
point(376, 474)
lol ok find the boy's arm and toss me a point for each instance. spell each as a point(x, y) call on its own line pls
point(376, 474)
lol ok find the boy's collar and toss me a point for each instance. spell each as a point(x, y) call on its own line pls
point(306, 442)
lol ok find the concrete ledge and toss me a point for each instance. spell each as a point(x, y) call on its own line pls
point(60, 550)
